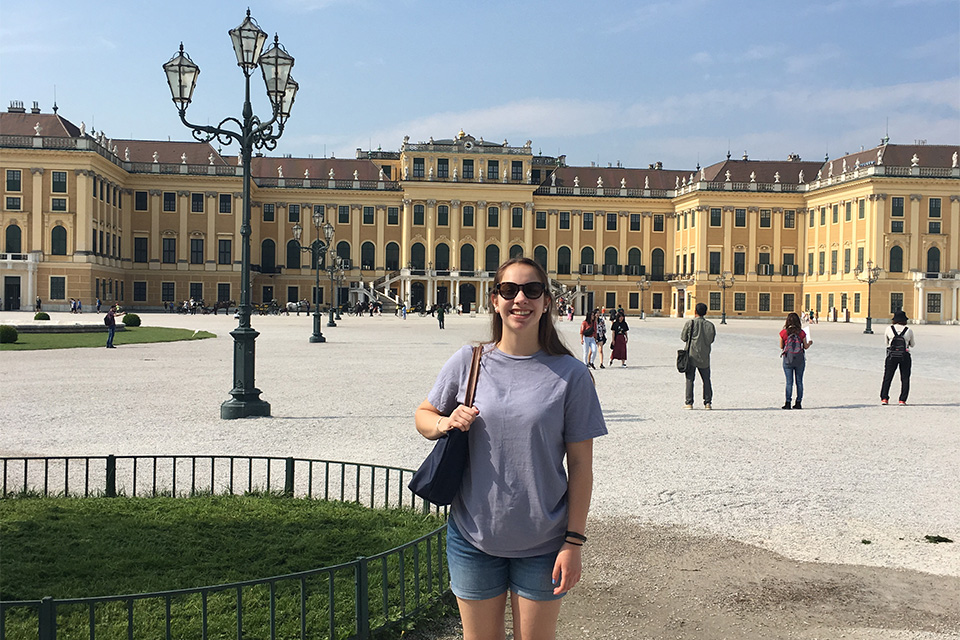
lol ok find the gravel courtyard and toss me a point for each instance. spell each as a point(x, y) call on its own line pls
point(746, 486)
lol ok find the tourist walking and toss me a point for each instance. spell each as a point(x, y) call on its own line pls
point(794, 343)
point(601, 335)
point(38, 303)
point(518, 523)
point(111, 321)
point(98, 305)
point(588, 338)
point(618, 346)
point(899, 341)
point(701, 334)
point(440, 314)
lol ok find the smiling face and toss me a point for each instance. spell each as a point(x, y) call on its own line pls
point(521, 315)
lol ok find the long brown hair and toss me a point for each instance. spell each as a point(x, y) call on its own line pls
point(547, 335)
point(792, 325)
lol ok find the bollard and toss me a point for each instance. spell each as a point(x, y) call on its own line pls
point(111, 476)
point(288, 479)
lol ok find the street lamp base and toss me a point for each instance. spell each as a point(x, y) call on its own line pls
point(247, 406)
point(317, 339)
point(330, 322)
point(869, 328)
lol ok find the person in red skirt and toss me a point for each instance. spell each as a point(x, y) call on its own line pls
point(619, 330)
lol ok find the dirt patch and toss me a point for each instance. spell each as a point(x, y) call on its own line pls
point(654, 582)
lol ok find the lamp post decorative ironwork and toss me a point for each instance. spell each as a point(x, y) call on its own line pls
point(316, 250)
point(332, 265)
point(724, 283)
point(643, 284)
point(249, 132)
point(869, 275)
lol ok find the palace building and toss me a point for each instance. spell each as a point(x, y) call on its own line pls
point(149, 223)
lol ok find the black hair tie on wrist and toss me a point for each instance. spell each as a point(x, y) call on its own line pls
point(575, 535)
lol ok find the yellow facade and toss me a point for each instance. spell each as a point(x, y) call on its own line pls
point(154, 223)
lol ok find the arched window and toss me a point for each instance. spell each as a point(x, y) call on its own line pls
point(368, 256)
point(634, 261)
point(516, 251)
point(418, 256)
point(393, 256)
point(656, 265)
point(540, 256)
point(586, 260)
point(563, 261)
point(933, 260)
point(343, 249)
point(492, 258)
point(441, 257)
point(13, 239)
point(293, 255)
point(268, 256)
point(466, 258)
point(611, 265)
point(896, 259)
point(58, 241)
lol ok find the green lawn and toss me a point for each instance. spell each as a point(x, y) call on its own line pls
point(137, 335)
point(73, 547)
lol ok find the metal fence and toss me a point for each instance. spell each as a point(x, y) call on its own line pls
point(349, 600)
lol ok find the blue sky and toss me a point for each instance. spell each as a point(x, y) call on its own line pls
point(678, 81)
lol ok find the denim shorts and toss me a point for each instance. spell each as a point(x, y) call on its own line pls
point(475, 575)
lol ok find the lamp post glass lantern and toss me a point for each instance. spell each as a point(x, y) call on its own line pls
point(724, 283)
point(869, 275)
point(249, 132)
point(317, 249)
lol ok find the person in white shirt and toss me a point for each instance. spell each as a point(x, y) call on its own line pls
point(899, 338)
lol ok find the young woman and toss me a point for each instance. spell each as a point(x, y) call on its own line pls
point(899, 339)
point(618, 350)
point(588, 338)
point(601, 336)
point(518, 521)
point(793, 347)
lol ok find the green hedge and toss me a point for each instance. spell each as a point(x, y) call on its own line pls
point(8, 334)
point(41, 315)
point(131, 320)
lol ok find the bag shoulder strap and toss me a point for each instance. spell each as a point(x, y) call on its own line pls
point(474, 374)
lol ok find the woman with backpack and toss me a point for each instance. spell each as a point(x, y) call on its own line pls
point(793, 347)
point(899, 340)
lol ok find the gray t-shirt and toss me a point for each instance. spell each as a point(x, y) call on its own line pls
point(512, 502)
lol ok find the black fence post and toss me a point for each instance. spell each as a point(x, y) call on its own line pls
point(111, 476)
point(48, 619)
point(288, 479)
point(363, 599)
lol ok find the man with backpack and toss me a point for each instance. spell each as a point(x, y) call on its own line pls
point(899, 341)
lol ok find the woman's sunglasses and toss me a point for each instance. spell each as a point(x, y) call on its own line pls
point(509, 290)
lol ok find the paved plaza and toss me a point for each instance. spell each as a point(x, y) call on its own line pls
point(808, 484)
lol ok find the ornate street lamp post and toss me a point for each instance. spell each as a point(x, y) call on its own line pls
point(643, 284)
point(724, 283)
point(316, 250)
point(869, 275)
point(275, 63)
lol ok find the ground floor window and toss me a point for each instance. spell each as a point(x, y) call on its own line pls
point(764, 302)
point(196, 291)
point(634, 300)
point(856, 303)
point(167, 291)
point(819, 303)
point(223, 291)
point(933, 303)
point(896, 302)
point(611, 300)
point(806, 301)
point(58, 288)
point(139, 291)
point(788, 305)
point(714, 301)
point(739, 302)
point(658, 301)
